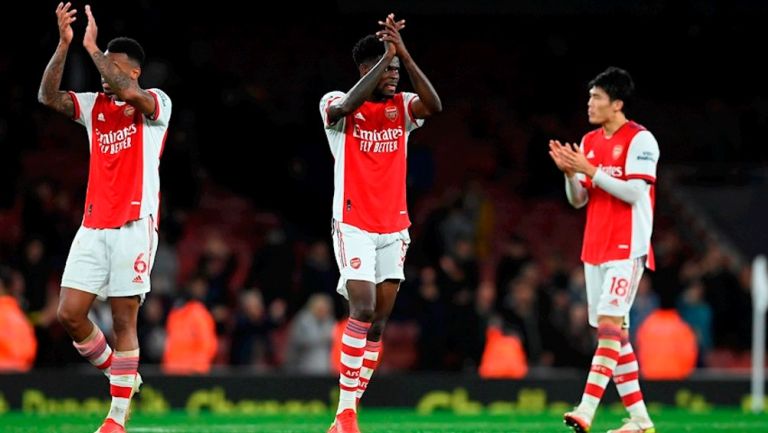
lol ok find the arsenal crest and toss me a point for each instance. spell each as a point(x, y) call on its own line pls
point(617, 149)
point(129, 110)
point(391, 112)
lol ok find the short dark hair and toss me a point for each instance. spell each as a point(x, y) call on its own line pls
point(367, 49)
point(129, 47)
point(616, 82)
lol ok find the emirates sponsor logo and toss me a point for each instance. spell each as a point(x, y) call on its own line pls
point(113, 142)
point(378, 140)
point(377, 134)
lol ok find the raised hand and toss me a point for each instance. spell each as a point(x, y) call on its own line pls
point(556, 153)
point(65, 19)
point(390, 34)
point(574, 159)
point(91, 30)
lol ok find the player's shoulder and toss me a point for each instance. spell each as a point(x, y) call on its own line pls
point(635, 127)
point(160, 94)
point(638, 132)
point(333, 94)
point(88, 95)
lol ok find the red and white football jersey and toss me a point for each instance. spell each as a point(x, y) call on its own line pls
point(125, 146)
point(370, 149)
point(615, 229)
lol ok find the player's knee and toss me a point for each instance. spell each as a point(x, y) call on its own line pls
point(377, 329)
point(362, 313)
point(123, 322)
point(69, 318)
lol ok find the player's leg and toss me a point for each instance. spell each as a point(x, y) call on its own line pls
point(125, 364)
point(355, 256)
point(362, 307)
point(85, 276)
point(390, 261)
point(626, 374)
point(132, 249)
point(87, 338)
point(608, 321)
point(386, 293)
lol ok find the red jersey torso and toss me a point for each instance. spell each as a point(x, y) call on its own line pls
point(370, 150)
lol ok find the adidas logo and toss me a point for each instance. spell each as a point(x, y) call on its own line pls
point(614, 302)
point(591, 154)
point(138, 279)
point(360, 116)
point(100, 117)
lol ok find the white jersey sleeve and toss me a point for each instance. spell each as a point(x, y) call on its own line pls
point(162, 114)
point(642, 157)
point(326, 102)
point(411, 122)
point(84, 103)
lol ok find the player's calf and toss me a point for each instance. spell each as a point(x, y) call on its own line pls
point(96, 350)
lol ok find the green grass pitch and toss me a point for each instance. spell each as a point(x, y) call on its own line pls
point(385, 421)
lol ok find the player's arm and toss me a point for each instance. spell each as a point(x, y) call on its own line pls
point(49, 93)
point(363, 89)
point(639, 170)
point(428, 102)
point(120, 81)
point(629, 191)
point(578, 196)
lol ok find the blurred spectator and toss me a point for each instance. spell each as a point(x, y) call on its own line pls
point(17, 341)
point(433, 318)
point(503, 357)
point(273, 266)
point(319, 275)
point(191, 337)
point(216, 265)
point(165, 269)
point(698, 314)
point(151, 330)
point(580, 339)
point(666, 346)
point(36, 272)
point(251, 336)
point(730, 302)
point(309, 338)
point(514, 254)
point(646, 302)
point(520, 311)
